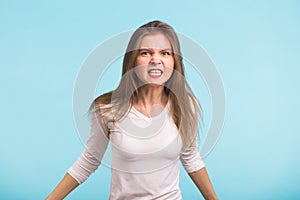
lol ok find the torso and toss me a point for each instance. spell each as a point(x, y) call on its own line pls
point(145, 156)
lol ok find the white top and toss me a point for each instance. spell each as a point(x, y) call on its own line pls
point(145, 156)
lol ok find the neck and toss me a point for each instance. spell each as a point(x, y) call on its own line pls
point(149, 95)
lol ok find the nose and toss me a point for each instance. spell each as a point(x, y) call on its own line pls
point(155, 59)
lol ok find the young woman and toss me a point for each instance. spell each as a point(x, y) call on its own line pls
point(151, 122)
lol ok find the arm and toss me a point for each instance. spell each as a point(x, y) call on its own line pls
point(87, 162)
point(66, 186)
point(195, 167)
point(201, 180)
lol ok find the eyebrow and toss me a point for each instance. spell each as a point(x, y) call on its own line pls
point(151, 49)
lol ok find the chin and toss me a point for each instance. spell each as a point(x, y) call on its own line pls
point(154, 84)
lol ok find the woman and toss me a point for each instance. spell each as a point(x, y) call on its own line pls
point(151, 122)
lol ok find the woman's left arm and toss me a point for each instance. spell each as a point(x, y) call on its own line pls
point(201, 180)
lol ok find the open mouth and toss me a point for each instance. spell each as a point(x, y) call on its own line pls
point(155, 73)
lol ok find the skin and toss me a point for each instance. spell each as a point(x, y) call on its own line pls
point(202, 181)
point(66, 185)
point(155, 54)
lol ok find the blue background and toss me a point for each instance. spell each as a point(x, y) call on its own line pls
point(255, 46)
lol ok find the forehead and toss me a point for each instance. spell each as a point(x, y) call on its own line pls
point(155, 41)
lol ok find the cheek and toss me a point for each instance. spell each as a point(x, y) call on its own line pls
point(170, 61)
point(140, 62)
point(169, 68)
point(140, 71)
point(140, 68)
point(168, 72)
point(170, 64)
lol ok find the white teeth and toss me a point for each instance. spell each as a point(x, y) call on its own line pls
point(155, 72)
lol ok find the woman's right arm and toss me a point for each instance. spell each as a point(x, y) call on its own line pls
point(87, 162)
point(66, 186)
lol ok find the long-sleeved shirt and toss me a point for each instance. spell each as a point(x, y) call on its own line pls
point(145, 154)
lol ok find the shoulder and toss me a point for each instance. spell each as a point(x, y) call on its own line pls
point(103, 99)
point(101, 108)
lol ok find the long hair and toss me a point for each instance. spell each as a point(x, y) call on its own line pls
point(184, 108)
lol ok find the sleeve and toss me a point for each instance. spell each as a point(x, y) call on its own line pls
point(90, 158)
point(191, 159)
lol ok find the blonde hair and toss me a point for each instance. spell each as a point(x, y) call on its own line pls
point(184, 108)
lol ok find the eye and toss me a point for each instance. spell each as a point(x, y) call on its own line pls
point(145, 53)
point(166, 53)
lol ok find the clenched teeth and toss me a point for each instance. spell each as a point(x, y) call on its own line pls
point(155, 72)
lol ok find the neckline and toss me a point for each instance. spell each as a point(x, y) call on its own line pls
point(151, 118)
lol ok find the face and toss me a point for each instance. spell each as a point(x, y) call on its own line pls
point(155, 61)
